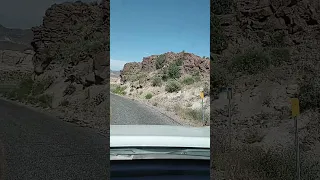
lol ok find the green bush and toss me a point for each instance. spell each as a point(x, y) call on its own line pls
point(279, 55)
point(179, 62)
point(119, 90)
point(172, 86)
point(196, 76)
point(188, 80)
point(24, 89)
point(40, 86)
point(160, 61)
point(174, 71)
point(45, 100)
point(148, 96)
point(157, 81)
point(251, 62)
point(64, 103)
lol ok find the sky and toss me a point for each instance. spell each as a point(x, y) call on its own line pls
point(140, 28)
point(25, 14)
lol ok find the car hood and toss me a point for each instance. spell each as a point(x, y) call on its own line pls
point(159, 136)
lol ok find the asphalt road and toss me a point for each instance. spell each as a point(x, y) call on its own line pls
point(129, 112)
point(36, 146)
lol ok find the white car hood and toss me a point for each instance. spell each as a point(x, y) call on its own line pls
point(159, 136)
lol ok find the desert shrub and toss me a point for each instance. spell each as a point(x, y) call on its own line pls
point(173, 86)
point(179, 62)
point(279, 55)
point(196, 76)
point(64, 103)
point(251, 62)
point(40, 86)
point(148, 96)
point(174, 71)
point(119, 90)
point(157, 81)
point(45, 100)
point(248, 162)
point(160, 61)
point(188, 80)
point(24, 89)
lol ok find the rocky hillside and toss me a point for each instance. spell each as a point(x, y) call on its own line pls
point(268, 52)
point(189, 63)
point(70, 64)
point(15, 39)
point(171, 81)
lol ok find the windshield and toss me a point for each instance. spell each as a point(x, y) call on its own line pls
point(160, 72)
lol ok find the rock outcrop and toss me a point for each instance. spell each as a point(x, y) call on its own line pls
point(190, 63)
point(70, 34)
point(68, 69)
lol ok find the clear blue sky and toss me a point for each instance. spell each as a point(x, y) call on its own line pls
point(139, 28)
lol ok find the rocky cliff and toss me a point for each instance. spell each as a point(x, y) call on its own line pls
point(267, 51)
point(69, 64)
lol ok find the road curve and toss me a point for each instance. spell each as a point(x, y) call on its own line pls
point(37, 146)
point(124, 111)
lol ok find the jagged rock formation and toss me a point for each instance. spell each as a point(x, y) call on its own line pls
point(68, 69)
point(65, 24)
point(190, 64)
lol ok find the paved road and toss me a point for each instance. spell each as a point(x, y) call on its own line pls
point(36, 146)
point(126, 111)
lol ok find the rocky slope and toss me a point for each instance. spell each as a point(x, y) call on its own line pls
point(171, 82)
point(267, 51)
point(70, 64)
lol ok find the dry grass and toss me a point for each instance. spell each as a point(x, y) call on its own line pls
point(254, 163)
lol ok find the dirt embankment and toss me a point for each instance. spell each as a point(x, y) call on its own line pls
point(171, 82)
point(267, 51)
point(67, 71)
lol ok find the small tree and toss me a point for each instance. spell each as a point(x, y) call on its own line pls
point(160, 61)
point(173, 86)
point(174, 71)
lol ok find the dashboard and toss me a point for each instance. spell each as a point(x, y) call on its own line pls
point(160, 169)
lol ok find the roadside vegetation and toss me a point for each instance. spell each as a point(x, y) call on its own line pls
point(118, 89)
point(191, 114)
point(30, 91)
point(248, 162)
